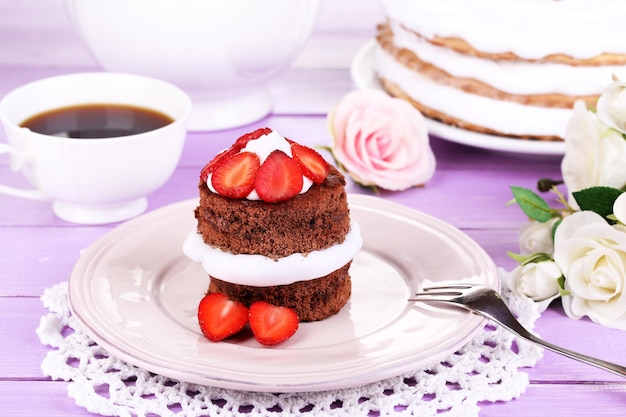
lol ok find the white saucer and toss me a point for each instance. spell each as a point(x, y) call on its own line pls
point(363, 75)
point(136, 295)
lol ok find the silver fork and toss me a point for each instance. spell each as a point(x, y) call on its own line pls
point(487, 302)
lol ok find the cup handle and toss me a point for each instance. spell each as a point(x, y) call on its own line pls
point(17, 162)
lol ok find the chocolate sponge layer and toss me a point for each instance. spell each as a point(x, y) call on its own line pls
point(310, 221)
point(313, 300)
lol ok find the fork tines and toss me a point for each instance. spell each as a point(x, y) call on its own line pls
point(442, 292)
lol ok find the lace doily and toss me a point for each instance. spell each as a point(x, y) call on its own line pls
point(486, 369)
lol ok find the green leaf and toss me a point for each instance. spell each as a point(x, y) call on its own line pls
point(562, 291)
point(517, 257)
point(554, 227)
point(531, 204)
point(528, 259)
point(597, 199)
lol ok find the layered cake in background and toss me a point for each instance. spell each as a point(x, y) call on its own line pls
point(506, 67)
point(273, 225)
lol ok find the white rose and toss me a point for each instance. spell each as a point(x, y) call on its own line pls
point(536, 237)
point(537, 281)
point(611, 106)
point(619, 208)
point(595, 155)
point(592, 256)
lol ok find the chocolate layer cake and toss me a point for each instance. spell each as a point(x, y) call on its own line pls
point(306, 225)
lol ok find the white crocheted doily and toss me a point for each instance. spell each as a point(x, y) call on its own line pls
point(486, 369)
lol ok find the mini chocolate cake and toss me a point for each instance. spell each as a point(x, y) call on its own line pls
point(312, 220)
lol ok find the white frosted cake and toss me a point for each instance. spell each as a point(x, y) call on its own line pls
point(507, 67)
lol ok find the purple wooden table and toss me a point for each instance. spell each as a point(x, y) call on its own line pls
point(469, 190)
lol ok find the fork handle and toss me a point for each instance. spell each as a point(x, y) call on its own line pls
point(515, 327)
point(599, 363)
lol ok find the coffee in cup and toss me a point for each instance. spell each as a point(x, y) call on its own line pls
point(94, 144)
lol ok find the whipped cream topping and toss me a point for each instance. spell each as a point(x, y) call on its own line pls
point(514, 77)
point(530, 29)
point(263, 146)
point(261, 271)
point(502, 116)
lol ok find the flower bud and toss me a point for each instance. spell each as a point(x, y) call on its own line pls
point(537, 281)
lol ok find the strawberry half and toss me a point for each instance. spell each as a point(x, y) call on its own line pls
point(220, 317)
point(208, 168)
point(244, 139)
point(279, 178)
point(272, 324)
point(239, 144)
point(313, 166)
point(234, 176)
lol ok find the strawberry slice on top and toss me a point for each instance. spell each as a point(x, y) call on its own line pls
point(220, 317)
point(239, 144)
point(313, 166)
point(279, 178)
point(234, 176)
point(243, 140)
point(272, 324)
point(208, 168)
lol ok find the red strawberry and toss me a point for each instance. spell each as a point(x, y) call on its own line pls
point(313, 166)
point(235, 148)
point(208, 168)
point(234, 176)
point(279, 178)
point(272, 324)
point(244, 139)
point(220, 317)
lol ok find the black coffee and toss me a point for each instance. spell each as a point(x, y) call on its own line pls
point(91, 121)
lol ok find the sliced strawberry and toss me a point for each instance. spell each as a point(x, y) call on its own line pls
point(220, 317)
point(239, 144)
point(244, 139)
point(313, 166)
point(208, 168)
point(279, 178)
point(272, 324)
point(234, 176)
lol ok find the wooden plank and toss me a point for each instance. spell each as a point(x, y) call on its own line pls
point(21, 352)
point(563, 400)
point(49, 398)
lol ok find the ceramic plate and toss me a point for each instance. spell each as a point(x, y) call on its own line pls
point(363, 75)
point(136, 295)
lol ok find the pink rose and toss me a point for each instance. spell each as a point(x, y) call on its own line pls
point(381, 141)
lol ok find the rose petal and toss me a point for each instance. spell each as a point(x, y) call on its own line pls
point(619, 208)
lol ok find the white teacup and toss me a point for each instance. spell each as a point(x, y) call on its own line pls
point(94, 181)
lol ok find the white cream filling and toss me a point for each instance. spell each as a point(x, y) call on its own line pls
point(514, 77)
point(261, 271)
point(529, 28)
point(502, 116)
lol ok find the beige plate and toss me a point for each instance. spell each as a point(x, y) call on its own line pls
point(136, 295)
